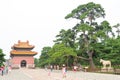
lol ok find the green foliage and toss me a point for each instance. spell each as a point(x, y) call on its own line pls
point(60, 53)
point(111, 51)
point(36, 61)
point(85, 27)
point(89, 10)
point(66, 37)
point(43, 60)
point(2, 59)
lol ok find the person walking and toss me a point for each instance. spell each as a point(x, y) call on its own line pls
point(51, 68)
point(2, 70)
point(57, 67)
point(64, 71)
point(45, 67)
point(6, 69)
point(75, 68)
point(9, 69)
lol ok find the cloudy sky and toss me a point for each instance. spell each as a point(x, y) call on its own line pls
point(39, 21)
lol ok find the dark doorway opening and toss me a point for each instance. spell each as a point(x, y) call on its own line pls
point(23, 63)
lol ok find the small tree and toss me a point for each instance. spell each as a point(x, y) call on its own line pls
point(2, 59)
point(44, 56)
point(36, 61)
point(61, 54)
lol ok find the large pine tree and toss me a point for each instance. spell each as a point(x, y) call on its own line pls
point(88, 29)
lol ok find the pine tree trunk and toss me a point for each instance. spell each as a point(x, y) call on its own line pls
point(92, 65)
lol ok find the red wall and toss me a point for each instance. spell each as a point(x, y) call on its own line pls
point(18, 59)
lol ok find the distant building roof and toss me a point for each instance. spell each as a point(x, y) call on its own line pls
point(22, 45)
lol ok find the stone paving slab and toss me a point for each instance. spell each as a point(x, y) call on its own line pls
point(41, 74)
point(15, 75)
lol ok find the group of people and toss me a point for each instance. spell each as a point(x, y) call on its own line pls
point(52, 67)
point(63, 69)
point(5, 70)
point(55, 67)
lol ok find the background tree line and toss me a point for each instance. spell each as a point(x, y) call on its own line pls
point(86, 42)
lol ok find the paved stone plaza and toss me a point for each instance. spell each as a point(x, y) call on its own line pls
point(41, 74)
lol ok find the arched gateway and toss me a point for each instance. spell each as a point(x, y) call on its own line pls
point(22, 56)
point(23, 63)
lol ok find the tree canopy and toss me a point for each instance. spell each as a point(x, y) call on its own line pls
point(87, 41)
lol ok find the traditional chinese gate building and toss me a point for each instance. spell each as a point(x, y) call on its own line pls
point(22, 56)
